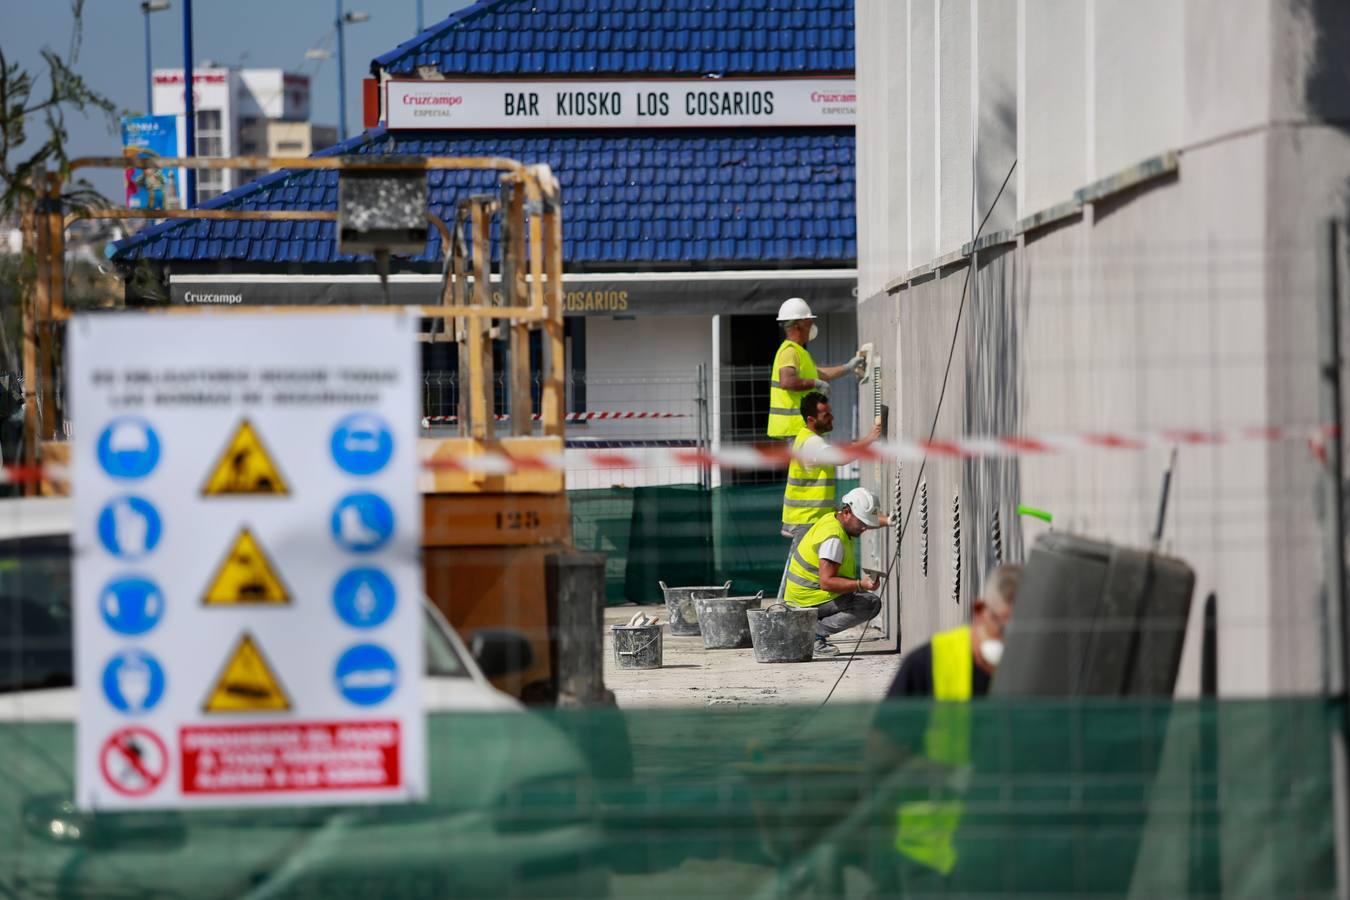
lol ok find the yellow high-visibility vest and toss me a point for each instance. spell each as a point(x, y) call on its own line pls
point(785, 407)
point(925, 830)
point(809, 494)
point(803, 574)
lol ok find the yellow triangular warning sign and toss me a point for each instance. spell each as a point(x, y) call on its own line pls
point(245, 576)
point(247, 683)
point(245, 467)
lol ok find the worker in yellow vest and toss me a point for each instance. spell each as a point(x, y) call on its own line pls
point(955, 666)
point(795, 372)
point(810, 491)
point(823, 570)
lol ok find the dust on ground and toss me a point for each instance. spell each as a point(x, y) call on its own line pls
point(691, 675)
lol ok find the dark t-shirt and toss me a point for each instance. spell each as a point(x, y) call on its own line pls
point(915, 678)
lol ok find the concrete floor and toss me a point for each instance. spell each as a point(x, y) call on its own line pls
point(694, 676)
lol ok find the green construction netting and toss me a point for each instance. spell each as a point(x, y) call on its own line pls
point(683, 535)
point(1056, 799)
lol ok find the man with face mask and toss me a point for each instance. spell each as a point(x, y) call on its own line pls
point(954, 667)
point(794, 372)
point(957, 664)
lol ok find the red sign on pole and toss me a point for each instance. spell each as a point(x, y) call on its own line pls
point(134, 761)
point(299, 756)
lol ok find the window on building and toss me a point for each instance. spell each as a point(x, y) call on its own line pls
point(210, 137)
point(290, 146)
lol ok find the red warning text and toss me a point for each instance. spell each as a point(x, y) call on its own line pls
point(271, 759)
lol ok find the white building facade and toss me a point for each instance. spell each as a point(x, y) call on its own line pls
point(241, 112)
point(1151, 265)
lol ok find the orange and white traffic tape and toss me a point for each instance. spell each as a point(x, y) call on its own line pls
point(769, 456)
point(598, 415)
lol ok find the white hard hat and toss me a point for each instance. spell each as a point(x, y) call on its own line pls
point(793, 309)
point(128, 437)
point(864, 505)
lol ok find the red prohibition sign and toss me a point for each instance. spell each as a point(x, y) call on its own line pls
point(134, 761)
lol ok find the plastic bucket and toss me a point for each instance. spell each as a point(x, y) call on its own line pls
point(637, 646)
point(680, 605)
point(723, 620)
point(783, 633)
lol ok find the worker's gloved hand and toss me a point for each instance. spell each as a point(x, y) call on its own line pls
point(823, 386)
point(856, 363)
point(959, 779)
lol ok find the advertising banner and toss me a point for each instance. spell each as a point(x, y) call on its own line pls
point(703, 103)
point(248, 591)
point(151, 188)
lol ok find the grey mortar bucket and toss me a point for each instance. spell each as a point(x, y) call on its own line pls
point(723, 620)
point(680, 608)
point(637, 646)
point(782, 633)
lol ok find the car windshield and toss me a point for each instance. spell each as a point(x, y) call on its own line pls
point(36, 640)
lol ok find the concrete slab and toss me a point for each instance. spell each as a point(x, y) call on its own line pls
point(693, 676)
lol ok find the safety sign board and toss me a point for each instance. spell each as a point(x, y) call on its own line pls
point(247, 683)
point(245, 467)
point(247, 575)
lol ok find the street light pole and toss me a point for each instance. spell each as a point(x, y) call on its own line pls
point(344, 19)
point(342, 76)
point(148, 7)
point(190, 106)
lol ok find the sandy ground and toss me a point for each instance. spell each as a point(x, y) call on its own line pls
point(693, 676)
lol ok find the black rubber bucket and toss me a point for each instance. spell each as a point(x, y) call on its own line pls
point(783, 634)
point(637, 646)
point(680, 605)
point(723, 620)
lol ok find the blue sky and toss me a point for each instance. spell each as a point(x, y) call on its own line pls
point(253, 33)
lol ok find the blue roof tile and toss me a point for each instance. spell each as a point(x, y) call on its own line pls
point(621, 37)
point(713, 197)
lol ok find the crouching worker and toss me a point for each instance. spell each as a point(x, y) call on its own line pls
point(823, 571)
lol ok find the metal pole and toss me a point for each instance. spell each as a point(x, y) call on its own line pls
point(1333, 532)
point(190, 105)
point(419, 17)
point(149, 70)
point(342, 76)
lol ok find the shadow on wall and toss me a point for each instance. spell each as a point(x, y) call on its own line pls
point(993, 405)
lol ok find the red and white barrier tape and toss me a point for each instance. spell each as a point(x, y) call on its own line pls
point(767, 456)
point(570, 417)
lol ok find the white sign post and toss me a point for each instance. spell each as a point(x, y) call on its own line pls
point(247, 579)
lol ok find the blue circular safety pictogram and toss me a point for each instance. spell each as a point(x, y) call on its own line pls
point(128, 448)
point(133, 682)
point(364, 598)
point(366, 674)
point(129, 527)
point(131, 605)
point(362, 523)
point(362, 444)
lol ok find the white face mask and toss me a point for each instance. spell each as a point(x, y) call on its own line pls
point(991, 649)
point(814, 331)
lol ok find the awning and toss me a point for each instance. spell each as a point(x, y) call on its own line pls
point(632, 294)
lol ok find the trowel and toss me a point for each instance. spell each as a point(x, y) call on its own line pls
point(864, 367)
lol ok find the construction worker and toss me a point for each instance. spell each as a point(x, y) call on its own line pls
point(823, 570)
point(810, 491)
point(953, 667)
point(795, 372)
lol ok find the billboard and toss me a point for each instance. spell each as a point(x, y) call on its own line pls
point(151, 188)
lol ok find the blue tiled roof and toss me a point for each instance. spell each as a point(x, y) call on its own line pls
point(634, 37)
point(716, 196)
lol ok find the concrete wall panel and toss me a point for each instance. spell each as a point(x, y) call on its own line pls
point(1139, 88)
point(955, 138)
point(922, 137)
point(1053, 116)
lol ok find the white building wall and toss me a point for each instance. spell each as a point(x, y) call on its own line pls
point(1052, 93)
point(1184, 301)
